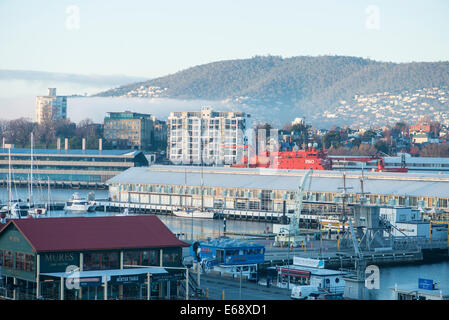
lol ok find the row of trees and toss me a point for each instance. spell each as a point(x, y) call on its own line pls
point(19, 131)
point(372, 142)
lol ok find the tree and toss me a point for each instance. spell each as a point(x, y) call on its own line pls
point(87, 129)
point(45, 134)
point(18, 132)
point(368, 135)
point(435, 150)
point(332, 138)
point(381, 146)
point(400, 128)
point(64, 128)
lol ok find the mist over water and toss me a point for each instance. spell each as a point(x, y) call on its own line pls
point(18, 99)
point(96, 108)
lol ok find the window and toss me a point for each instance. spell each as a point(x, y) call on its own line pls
point(141, 257)
point(20, 261)
point(101, 260)
point(150, 258)
point(7, 259)
point(29, 262)
point(110, 260)
point(91, 261)
point(131, 258)
point(171, 257)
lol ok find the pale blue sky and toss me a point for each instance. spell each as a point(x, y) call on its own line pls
point(155, 38)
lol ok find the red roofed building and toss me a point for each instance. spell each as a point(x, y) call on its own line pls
point(38, 257)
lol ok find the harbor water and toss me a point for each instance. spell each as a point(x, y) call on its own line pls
point(189, 228)
point(403, 276)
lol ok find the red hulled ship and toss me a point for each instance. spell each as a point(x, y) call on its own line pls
point(310, 158)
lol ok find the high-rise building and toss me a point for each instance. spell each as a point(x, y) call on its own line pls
point(129, 130)
point(206, 136)
point(50, 107)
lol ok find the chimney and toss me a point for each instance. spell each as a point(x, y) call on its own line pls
point(58, 143)
point(66, 142)
point(84, 144)
point(100, 144)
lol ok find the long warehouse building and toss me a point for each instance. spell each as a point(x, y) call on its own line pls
point(67, 164)
point(263, 191)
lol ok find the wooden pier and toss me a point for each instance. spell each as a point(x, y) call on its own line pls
point(243, 215)
point(345, 259)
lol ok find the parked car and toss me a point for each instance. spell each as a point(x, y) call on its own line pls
point(303, 292)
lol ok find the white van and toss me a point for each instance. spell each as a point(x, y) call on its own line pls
point(302, 292)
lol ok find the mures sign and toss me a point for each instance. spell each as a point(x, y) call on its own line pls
point(58, 262)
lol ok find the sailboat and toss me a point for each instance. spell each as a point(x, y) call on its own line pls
point(33, 209)
point(194, 212)
point(14, 209)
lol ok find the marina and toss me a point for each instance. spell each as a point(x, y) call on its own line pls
point(223, 238)
point(260, 232)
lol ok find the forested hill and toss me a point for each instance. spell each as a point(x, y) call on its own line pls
point(302, 83)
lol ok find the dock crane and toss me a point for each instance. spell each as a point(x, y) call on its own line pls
point(290, 233)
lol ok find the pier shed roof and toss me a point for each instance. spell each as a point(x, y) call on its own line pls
point(95, 233)
point(408, 184)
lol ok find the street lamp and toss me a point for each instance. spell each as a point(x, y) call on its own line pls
point(288, 258)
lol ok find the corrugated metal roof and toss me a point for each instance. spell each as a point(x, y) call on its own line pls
point(96, 233)
point(229, 243)
point(412, 184)
point(88, 152)
point(414, 160)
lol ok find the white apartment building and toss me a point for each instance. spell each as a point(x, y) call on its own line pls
point(51, 107)
point(207, 136)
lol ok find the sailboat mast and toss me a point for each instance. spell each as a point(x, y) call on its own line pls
point(9, 179)
point(202, 182)
point(48, 199)
point(31, 171)
point(185, 188)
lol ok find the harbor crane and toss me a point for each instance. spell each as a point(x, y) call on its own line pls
point(290, 233)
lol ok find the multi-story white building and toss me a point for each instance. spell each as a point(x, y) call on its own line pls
point(207, 137)
point(51, 107)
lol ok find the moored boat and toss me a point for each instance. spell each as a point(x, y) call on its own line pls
point(76, 203)
point(194, 213)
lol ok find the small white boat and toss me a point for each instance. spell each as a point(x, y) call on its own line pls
point(124, 213)
point(37, 210)
point(76, 203)
point(196, 213)
point(17, 209)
